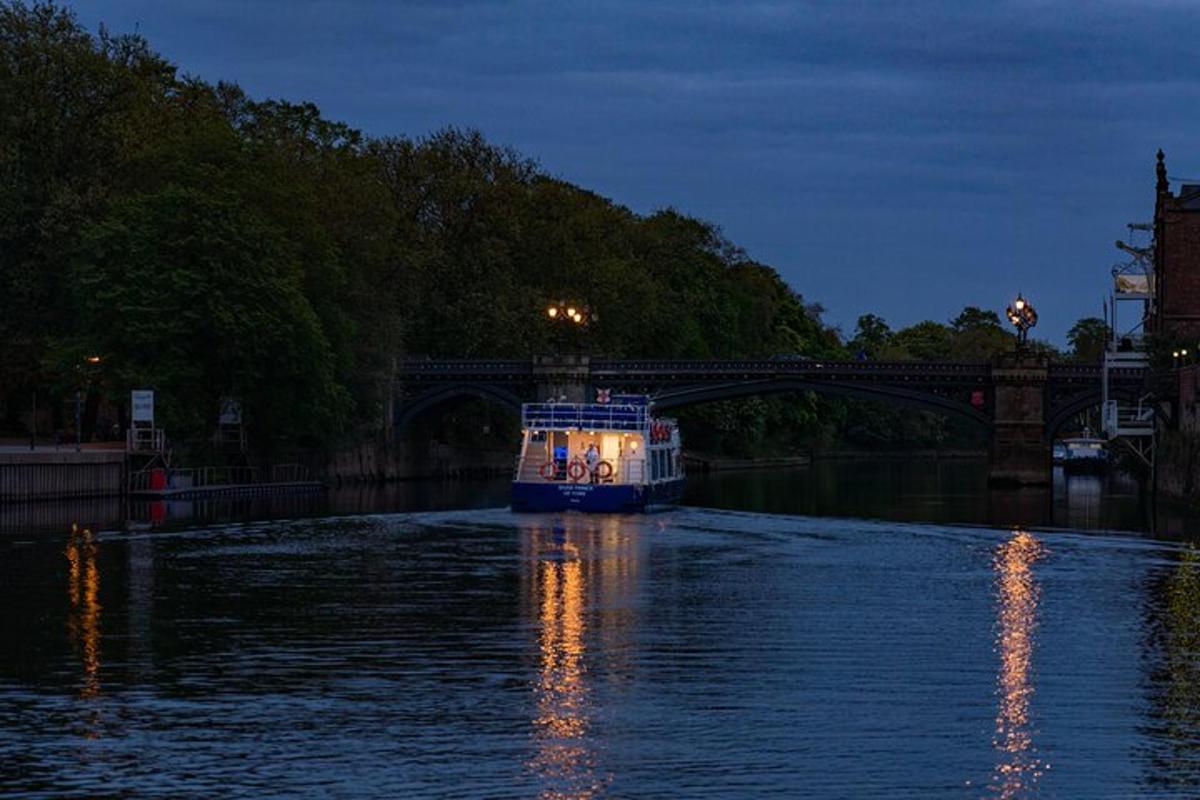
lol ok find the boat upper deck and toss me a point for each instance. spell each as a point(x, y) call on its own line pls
point(585, 416)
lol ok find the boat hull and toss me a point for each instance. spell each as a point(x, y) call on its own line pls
point(1084, 465)
point(594, 497)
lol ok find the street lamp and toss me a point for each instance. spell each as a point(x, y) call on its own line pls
point(91, 361)
point(569, 312)
point(1023, 316)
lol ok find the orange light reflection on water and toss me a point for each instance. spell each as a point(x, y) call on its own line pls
point(1019, 766)
point(563, 757)
point(83, 618)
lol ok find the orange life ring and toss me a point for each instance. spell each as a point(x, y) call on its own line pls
point(576, 470)
point(547, 470)
point(604, 470)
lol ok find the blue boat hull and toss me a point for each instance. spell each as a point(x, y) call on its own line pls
point(593, 497)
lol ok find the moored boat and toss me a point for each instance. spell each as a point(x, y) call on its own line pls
point(1085, 453)
point(599, 457)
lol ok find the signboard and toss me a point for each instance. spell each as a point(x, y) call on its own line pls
point(231, 412)
point(1135, 285)
point(142, 404)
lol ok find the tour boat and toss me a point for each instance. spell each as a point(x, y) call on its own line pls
point(612, 455)
point(1084, 453)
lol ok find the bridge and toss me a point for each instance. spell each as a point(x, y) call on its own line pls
point(1021, 401)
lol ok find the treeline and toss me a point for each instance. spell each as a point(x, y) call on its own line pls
point(208, 245)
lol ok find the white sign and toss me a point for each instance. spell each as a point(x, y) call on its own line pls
point(1133, 284)
point(143, 405)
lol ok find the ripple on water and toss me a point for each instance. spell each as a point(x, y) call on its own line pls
point(689, 654)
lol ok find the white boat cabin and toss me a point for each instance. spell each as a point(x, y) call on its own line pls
point(630, 446)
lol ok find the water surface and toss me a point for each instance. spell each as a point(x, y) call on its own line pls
point(697, 653)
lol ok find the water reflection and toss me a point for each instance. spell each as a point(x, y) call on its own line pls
point(563, 759)
point(582, 586)
point(83, 617)
point(1178, 695)
point(1019, 766)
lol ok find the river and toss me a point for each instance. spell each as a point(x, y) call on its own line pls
point(882, 630)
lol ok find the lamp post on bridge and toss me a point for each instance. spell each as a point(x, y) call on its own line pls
point(572, 315)
point(1023, 316)
point(88, 362)
point(565, 376)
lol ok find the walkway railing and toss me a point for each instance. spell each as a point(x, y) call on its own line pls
point(159, 479)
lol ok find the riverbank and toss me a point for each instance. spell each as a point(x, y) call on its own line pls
point(931, 454)
point(46, 473)
point(699, 462)
point(704, 462)
point(381, 462)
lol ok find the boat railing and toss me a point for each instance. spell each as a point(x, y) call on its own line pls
point(529, 469)
point(582, 416)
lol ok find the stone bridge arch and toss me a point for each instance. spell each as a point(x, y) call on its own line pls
point(499, 395)
point(885, 393)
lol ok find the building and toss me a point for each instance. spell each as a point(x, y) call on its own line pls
point(1175, 314)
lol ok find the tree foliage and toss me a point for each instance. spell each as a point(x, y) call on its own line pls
point(1088, 338)
point(208, 244)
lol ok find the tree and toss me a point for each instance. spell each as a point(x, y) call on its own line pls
point(975, 318)
point(871, 336)
point(196, 296)
point(1088, 338)
point(925, 341)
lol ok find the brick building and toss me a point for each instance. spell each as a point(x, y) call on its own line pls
point(1176, 312)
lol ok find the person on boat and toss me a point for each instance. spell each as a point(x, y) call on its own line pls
point(560, 462)
point(592, 459)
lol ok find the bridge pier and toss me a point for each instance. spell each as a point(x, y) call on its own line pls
point(564, 378)
point(1019, 453)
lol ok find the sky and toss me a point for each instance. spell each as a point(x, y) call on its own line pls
point(898, 158)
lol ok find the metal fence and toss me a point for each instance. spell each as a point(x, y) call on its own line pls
point(158, 479)
point(46, 481)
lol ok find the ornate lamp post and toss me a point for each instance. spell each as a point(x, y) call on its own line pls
point(569, 313)
point(92, 362)
point(1023, 316)
point(574, 316)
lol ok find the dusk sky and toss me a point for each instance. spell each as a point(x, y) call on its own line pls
point(905, 159)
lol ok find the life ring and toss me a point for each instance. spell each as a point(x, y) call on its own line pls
point(576, 470)
point(604, 470)
point(547, 470)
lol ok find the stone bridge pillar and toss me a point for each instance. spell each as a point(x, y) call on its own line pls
point(563, 378)
point(1019, 453)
